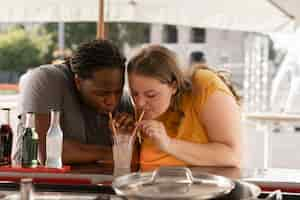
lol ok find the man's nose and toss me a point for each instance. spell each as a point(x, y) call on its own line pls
point(111, 100)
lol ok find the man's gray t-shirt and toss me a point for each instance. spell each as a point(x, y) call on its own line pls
point(52, 87)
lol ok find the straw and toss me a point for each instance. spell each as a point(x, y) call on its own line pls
point(135, 130)
point(141, 117)
point(114, 130)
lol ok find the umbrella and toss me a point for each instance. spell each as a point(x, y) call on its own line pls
point(22, 11)
point(254, 15)
point(290, 7)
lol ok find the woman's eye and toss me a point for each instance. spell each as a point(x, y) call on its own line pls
point(151, 95)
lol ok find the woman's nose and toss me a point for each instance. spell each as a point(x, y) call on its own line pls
point(140, 102)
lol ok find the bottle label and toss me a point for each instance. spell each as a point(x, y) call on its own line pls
point(29, 150)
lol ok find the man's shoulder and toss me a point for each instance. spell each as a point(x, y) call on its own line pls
point(43, 88)
point(43, 78)
point(48, 69)
point(44, 73)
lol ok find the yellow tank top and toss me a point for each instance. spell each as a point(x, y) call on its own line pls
point(184, 126)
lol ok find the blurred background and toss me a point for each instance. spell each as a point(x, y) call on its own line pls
point(264, 65)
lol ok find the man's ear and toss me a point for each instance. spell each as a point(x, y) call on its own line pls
point(77, 81)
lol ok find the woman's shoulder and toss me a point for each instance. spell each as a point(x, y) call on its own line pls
point(205, 82)
point(204, 77)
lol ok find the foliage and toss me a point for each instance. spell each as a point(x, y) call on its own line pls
point(119, 33)
point(131, 33)
point(20, 50)
point(75, 33)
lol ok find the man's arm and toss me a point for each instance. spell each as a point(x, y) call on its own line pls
point(73, 151)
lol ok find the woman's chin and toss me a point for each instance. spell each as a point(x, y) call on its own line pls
point(146, 118)
point(149, 116)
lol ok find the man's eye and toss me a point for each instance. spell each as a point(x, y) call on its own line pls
point(101, 93)
point(119, 92)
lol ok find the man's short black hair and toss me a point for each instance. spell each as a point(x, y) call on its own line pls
point(95, 55)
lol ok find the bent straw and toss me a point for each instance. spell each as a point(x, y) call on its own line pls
point(135, 129)
point(114, 130)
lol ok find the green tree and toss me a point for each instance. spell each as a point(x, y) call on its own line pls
point(131, 33)
point(119, 33)
point(75, 33)
point(20, 50)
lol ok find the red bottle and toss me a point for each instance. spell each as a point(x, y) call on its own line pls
point(6, 137)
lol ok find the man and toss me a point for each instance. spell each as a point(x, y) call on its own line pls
point(85, 89)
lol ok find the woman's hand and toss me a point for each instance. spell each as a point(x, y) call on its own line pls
point(156, 131)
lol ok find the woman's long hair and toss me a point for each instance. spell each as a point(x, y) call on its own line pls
point(222, 74)
point(160, 63)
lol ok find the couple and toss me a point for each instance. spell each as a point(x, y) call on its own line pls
point(188, 120)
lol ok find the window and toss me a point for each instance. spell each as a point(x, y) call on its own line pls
point(170, 34)
point(198, 35)
point(197, 57)
point(147, 34)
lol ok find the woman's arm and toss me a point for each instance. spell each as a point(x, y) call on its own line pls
point(221, 118)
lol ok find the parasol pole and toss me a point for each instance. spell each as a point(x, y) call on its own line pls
point(100, 24)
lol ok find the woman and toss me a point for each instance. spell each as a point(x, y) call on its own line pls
point(187, 121)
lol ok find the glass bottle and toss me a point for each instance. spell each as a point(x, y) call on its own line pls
point(6, 137)
point(54, 142)
point(30, 143)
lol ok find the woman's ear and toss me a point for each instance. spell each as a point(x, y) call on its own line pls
point(77, 81)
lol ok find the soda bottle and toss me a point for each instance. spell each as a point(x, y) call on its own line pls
point(54, 142)
point(6, 137)
point(30, 143)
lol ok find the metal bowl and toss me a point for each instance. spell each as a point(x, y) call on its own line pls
point(172, 183)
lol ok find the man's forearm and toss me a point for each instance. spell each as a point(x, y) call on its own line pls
point(75, 152)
